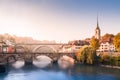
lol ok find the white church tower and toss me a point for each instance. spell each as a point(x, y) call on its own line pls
point(97, 31)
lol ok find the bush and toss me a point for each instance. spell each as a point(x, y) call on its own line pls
point(113, 60)
point(86, 55)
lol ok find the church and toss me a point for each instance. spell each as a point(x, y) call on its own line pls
point(97, 31)
point(104, 46)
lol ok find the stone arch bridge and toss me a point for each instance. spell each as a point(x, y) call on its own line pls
point(29, 52)
point(35, 47)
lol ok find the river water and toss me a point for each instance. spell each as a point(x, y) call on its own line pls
point(53, 72)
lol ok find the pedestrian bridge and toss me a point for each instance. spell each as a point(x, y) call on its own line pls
point(29, 53)
point(7, 58)
point(42, 47)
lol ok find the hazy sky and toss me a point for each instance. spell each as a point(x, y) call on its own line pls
point(60, 20)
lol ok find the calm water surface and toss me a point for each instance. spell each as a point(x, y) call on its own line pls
point(78, 72)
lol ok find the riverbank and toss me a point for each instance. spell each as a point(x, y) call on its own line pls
point(101, 65)
point(109, 66)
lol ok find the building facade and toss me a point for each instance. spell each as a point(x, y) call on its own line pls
point(106, 47)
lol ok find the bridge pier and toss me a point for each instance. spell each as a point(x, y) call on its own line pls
point(28, 59)
point(28, 62)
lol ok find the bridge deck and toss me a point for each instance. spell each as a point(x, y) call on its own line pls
point(38, 53)
point(43, 44)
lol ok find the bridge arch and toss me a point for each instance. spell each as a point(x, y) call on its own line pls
point(42, 57)
point(11, 59)
point(37, 49)
point(21, 49)
point(42, 61)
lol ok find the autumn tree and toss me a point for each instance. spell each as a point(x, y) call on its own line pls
point(78, 42)
point(86, 55)
point(107, 38)
point(95, 43)
point(117, 42)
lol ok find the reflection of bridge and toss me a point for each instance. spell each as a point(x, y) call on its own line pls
point(29, 52)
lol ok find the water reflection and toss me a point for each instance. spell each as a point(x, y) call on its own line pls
point(66, 62)
point(18, 64)
point(42, 61)
point(78, 72)
point(94, 70)
point(38, 75)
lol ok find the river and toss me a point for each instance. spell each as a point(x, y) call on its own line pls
point(53, 72)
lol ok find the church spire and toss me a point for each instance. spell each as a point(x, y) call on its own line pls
point(97, 24)
point(97, 31)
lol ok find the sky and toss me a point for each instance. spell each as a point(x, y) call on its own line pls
point(59, 20)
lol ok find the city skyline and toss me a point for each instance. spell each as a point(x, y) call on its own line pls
point(59, 20)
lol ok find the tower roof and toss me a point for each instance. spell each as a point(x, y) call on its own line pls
point(97, 24)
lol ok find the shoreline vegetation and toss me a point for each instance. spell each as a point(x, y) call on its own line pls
point(99, 64)
point(88, 55)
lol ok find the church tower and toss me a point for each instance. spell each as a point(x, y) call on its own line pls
point(97, 31)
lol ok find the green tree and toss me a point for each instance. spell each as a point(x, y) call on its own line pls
point(94, 43)
point(86, 55)
point(117, 42)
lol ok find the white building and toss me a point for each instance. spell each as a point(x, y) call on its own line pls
point(106, 47)
point(70, 48)
point(76, 48)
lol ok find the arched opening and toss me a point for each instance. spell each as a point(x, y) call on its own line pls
point(44, 49)
point(14, 62)
point(20, 49)
point(42, 61)
point(11, 59)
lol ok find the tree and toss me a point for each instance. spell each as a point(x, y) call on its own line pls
point(78, 42)
point(86, 55)
point(94, 43)
point(107, 38)
point(8, 37)
point(117, 42)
